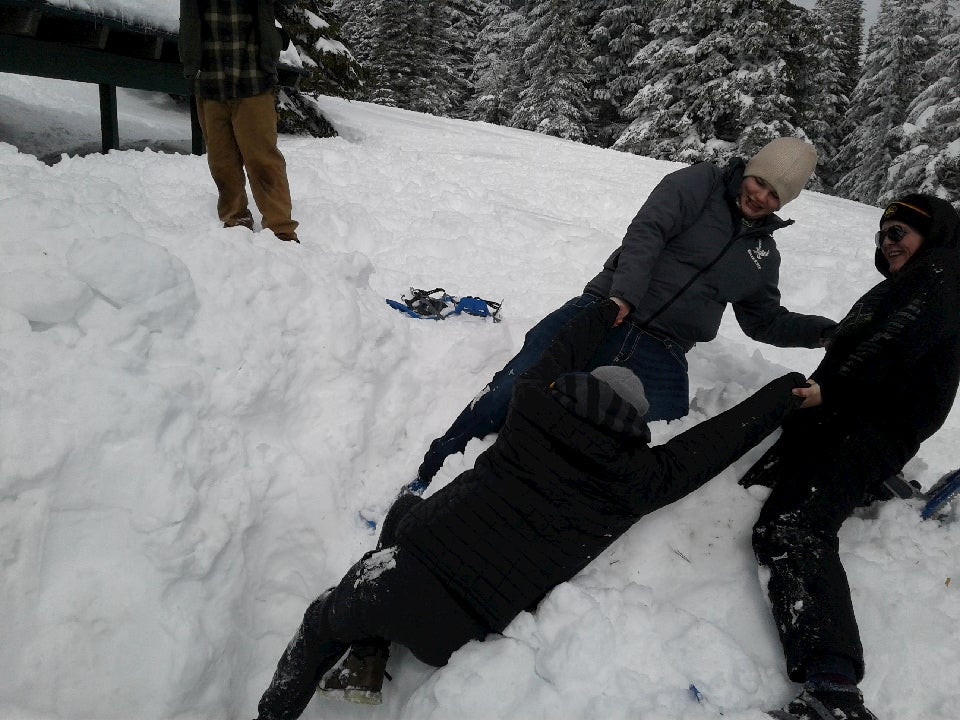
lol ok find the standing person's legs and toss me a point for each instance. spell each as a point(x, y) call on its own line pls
point(225, 161)
point(487, 412)
point(255, 127)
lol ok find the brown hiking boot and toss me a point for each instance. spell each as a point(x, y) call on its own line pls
point(826, 701)
point(358, 676)
point(244, 220)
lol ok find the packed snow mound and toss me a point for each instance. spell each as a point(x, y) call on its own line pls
point(195, 418)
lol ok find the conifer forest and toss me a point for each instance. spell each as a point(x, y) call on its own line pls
point(678, 80)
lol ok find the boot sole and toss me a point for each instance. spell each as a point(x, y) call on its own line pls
point(360, 697)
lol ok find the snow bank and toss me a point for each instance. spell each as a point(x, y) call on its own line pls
point(194, 418)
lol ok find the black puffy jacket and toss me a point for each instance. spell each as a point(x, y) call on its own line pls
point(890, 374)
point(555, 490)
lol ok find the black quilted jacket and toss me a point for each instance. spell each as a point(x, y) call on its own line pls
point(555, 490)
point(893, 367)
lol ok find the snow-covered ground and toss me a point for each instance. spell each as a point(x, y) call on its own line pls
point(193, 419)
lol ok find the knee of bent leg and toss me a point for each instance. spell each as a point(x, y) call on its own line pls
point(314, 618)
point(773, 537)
point(786, 536)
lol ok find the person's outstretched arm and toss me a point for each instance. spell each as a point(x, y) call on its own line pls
point(765, 320)
point(670, 471)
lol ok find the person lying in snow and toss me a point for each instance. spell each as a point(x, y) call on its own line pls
point(569, 473)
point(886, 384)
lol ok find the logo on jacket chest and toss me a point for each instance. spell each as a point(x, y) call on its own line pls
point(758, 253)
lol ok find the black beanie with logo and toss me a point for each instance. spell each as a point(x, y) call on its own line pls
point(913, 210)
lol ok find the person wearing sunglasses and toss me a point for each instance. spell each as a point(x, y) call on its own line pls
point(898, 241)
point(886, 383)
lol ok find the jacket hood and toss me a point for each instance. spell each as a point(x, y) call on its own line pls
point(944, 233)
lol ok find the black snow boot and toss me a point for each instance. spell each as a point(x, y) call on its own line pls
point(307, 658)
point(358, 676)
point(826, 701)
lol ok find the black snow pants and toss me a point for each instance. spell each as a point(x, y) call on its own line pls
point(388, 594)
point(815, 488)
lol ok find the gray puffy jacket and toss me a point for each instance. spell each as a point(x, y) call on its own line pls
point(689, 229)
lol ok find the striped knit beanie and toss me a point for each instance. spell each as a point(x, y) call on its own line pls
point(609, 396)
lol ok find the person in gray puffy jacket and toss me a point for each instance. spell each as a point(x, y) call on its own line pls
point(702, 240)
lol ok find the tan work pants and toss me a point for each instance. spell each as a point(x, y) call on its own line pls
point(242, 134)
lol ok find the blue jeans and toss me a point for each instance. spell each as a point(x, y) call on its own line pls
point(659, 363)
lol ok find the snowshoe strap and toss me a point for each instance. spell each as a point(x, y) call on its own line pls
point(423, 302)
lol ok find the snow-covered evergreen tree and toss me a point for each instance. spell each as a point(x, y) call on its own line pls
point(497, 69)
point(844, 19)
point(465, 21)
point(555, 98)
point(315, 32)
point(767, 62)
point(618, 30)
point(822, 89)
point(930, 161)
point(357, 26)
point(409, 51)
point(715, 81)
point(439, 88)
point(379, 32)
point(899, 46)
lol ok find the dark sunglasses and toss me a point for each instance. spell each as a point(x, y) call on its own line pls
point(896, 233)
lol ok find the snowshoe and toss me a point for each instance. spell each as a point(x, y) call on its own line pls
point(438, 304)
point(941, 494)
point(935, 500)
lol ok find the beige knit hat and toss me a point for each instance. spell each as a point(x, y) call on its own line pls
point(785, 163)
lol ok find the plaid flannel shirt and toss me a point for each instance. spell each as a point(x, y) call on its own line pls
point(229, 53)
